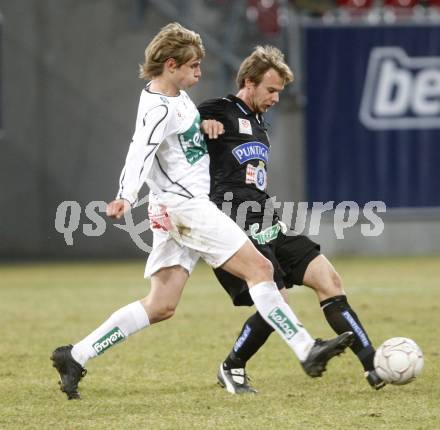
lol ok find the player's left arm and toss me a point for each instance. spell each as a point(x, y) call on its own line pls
point(212, 128)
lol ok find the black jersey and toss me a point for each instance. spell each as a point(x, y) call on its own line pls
point(239, 157)
point(238, 163)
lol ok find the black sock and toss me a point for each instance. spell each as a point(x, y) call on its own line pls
point(252, 336)
point(341, 317)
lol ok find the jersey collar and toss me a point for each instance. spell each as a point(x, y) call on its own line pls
point(240, 104)
point(245, 108)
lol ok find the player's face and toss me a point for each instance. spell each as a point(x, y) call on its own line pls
point(267, 92)
point(188, 74)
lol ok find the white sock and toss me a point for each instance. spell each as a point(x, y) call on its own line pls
point(276, 312)
point(121, 324)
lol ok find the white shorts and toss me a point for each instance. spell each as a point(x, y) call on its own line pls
point(186, 229)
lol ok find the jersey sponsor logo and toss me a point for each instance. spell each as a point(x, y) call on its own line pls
point(112, 337)
point(244, 126)
point(257, 175)
point(251, 151)
point(401, 92)
point(268, 234)
point(192, 142)
point(279, 318)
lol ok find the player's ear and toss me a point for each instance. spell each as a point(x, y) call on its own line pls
point(248, 83)
point(171, 64)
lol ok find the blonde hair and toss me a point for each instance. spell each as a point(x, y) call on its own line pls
point(259, 62)
point(172, 41)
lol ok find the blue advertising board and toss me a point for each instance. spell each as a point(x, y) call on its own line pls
point(373, 114)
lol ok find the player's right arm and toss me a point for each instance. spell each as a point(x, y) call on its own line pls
point(151, 130)
point(117, 208)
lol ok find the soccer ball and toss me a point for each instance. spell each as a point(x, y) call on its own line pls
point(398, 360)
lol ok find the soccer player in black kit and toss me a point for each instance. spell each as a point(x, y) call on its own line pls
point(239, 159)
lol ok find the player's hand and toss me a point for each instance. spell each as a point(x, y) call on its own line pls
point(212, 128)
point(117, 208)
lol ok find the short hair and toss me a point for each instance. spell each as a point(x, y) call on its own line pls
point(259, 62)
point(172, 41)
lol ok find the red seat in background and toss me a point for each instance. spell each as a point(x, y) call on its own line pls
point(406, 4)
point(355, 4)
point(265, 13)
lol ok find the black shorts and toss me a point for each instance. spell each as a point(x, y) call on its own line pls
point(290, 256)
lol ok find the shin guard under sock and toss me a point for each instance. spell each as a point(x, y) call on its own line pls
point(341, 318)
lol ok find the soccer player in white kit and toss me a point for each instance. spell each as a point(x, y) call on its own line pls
point(168, 152)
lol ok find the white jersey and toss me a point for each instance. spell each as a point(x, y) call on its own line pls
point(167, 151)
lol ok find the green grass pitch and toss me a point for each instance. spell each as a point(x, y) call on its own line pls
point(165, 376)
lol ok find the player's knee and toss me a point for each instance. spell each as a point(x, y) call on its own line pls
point(158, 311)
point(335, 283)
point(324, 279)
point(165, 312)
point(264, 267)
point(268, 267)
